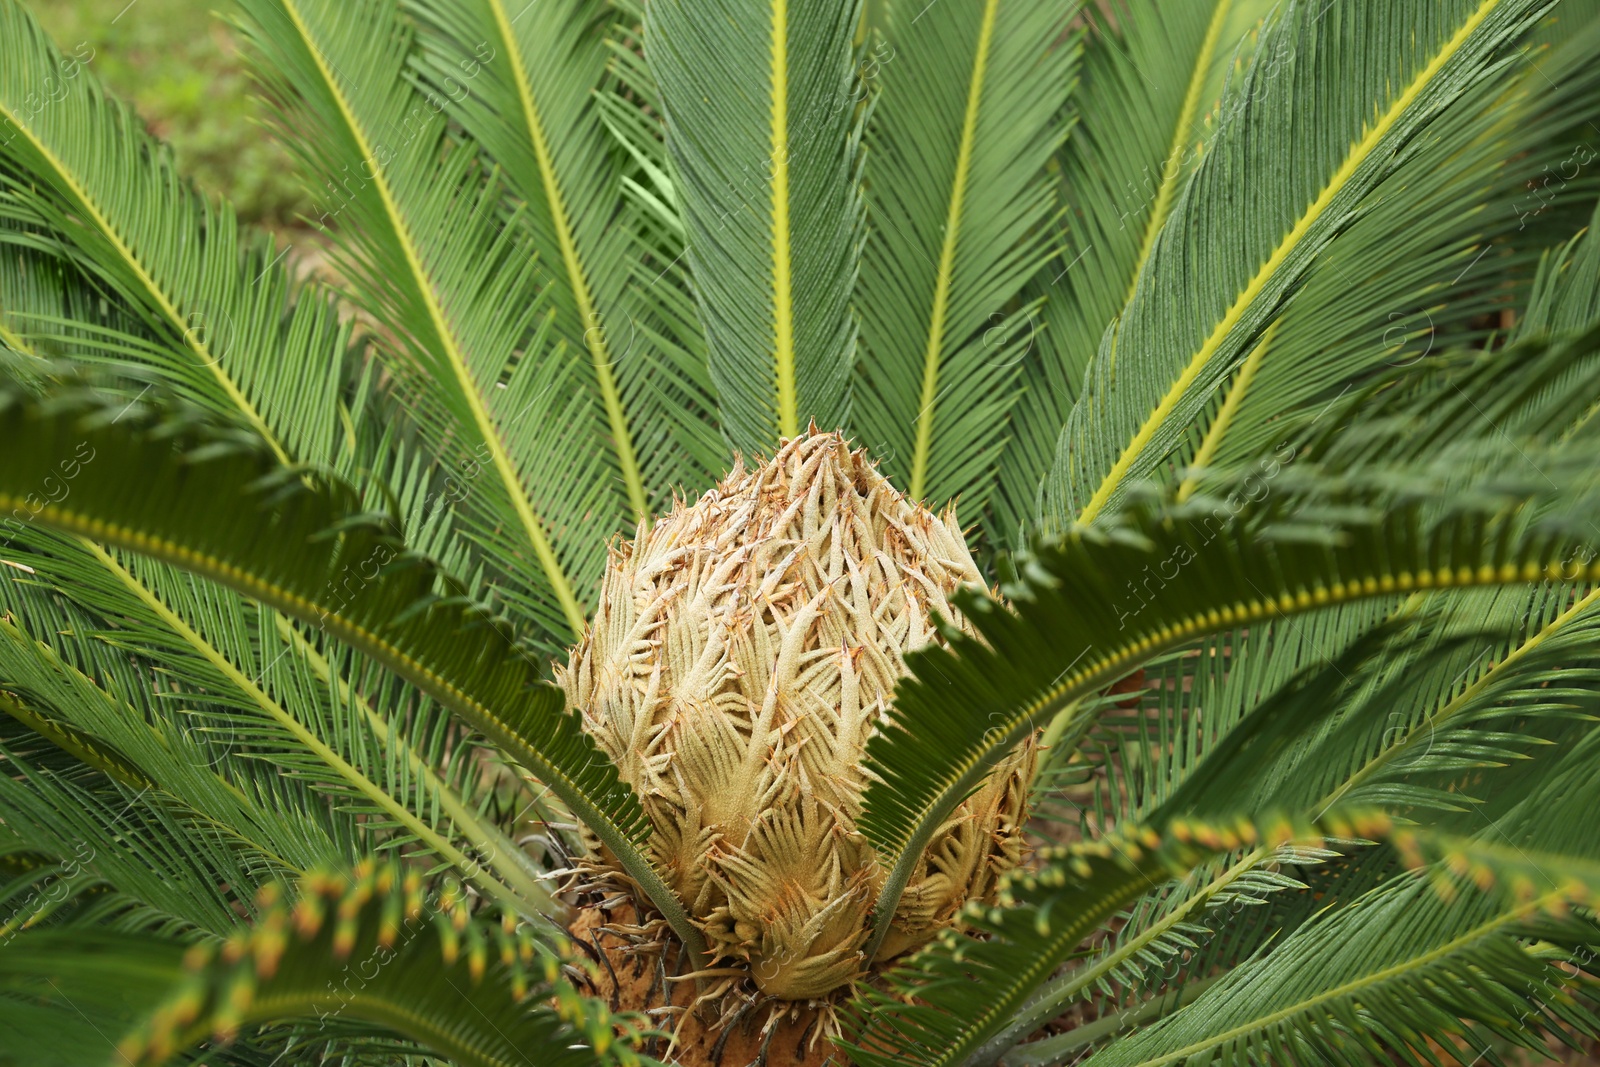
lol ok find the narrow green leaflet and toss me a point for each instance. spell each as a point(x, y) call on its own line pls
point(767, 178)
point(1345, 90)
point(1566, 293)
point(968, 114)
point(301, 544)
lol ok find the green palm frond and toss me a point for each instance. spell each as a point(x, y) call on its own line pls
point(1248, 754)
point(1486, 972)
point(1346, 90)
point(970, 705)
point(968, 113)
point(231, 330)
point(424, 247)
point(115, 856)
point(1252, 745)
point(534, 93)
point(160, 820)
point(1434, 735)
point(1452, 699)
point(1402, 962)
point(1080, 619)
point(1490, 704)
point(768, 182)
point(1435, 257)
point(266, 682)
point(367, 946)
point(304, 546)
point(1146, 88)
point(79, 744)
point(1044, 915)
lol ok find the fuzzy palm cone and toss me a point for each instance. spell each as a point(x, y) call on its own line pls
point(743, 651)
point(1250, 718)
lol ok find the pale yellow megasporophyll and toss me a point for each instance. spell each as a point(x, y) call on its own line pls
point(743, 650)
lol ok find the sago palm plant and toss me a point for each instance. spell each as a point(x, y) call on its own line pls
point(543, 633)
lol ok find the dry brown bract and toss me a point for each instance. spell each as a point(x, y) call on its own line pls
point(743, 651)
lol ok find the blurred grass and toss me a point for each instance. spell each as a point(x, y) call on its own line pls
point(178, 64)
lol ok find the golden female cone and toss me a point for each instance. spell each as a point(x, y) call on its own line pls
point(743, 650)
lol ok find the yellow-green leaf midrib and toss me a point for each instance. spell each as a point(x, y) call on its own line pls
point(1172, 168)
point(1359, 153)
point(1456, 703)
point(516, 492)
point(577, 275)
point(944, 278)
point(1230, 409)
point(782, 262)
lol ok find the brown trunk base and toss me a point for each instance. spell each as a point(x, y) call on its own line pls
point(632, 980)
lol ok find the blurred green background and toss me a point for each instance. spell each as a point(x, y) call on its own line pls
point(178, 63)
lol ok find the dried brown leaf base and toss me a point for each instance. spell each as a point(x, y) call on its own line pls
point(643, 969)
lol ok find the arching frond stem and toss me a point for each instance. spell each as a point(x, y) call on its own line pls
point(967, 771)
